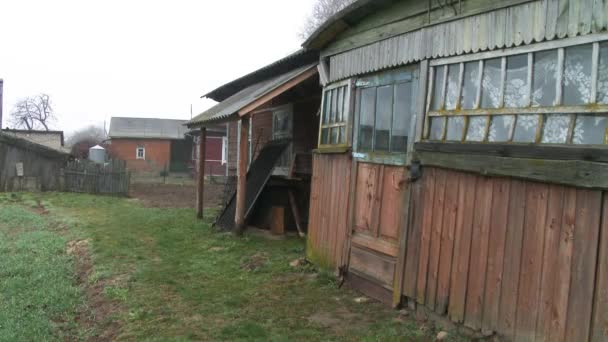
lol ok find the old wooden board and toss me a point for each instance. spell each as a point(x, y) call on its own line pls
point(599, 328)
point(425, 241)
point(450, 211)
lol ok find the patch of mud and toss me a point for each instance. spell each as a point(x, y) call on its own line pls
point(175, 196)
point(98, 317)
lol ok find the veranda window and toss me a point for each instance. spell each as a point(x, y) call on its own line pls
point(384, 110)
point(553, 95)
point(334, 115)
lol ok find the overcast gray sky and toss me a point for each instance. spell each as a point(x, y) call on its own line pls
point(145, 58)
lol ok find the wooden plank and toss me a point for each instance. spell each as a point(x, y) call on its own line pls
point(531, 261)
point(512, 260)
point(561, 290)
point(200, 185)
point(599, 328)
point(553, 224)
point(479, 253)
point(393, 190)
point(584, 257)
point(277, 220)
point(425, 239)
point(413, 241)
point(568, 172)
point(447, 242)
point(384, 247)
point(435, 247)
point(496, 253)
point(462, 249)
point(375, 266)
point(404, 223)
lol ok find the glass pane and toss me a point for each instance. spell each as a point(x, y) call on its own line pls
point(491, 83)
point(340, 100)
point(324, 136)
point(470, 85)
point(366, 118)
point(451, 97)
point(437, 97)
point(436, 130)
point(516, 91)
point(525, 128)
point(590, 129)
point(327, 106)
point(500, 128)
point(555, 130)
point(577, 75)
point(602, 75)
point(334, 105)
point(477, 128)
point(342, 134)
point(334, 135)
point(455, 128)
point(402, 115)
point(544, 78)
point(384, 112)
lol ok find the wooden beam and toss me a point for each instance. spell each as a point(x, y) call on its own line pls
point(202, 155)
point(584, 174)
point(241, 185)
point(278, 91)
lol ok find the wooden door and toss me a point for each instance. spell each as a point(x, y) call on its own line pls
point(378, 201)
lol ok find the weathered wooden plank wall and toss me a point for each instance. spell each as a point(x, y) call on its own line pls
point(112, 178)
point(327, 230)
point(524, 259)
point(512, 26)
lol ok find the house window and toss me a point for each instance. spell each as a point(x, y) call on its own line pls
point(140, 153)
point(545, 96)
point(334, 115)
point(282, 129)
point(384, 110)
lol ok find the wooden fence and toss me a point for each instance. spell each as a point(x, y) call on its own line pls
point(111, 178)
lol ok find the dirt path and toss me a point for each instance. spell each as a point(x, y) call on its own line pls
point(175, 196)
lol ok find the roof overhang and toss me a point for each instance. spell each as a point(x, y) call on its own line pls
point(253, 97)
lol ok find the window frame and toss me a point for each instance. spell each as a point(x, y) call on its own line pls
point(560, 46)
point(359, 85)
point(347, 114)
point(143, 149)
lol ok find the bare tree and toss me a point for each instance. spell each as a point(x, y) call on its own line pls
point(322, 10)
point(85, 138)
point(33, 113)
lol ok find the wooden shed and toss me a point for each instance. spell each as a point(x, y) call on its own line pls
point(461, 165)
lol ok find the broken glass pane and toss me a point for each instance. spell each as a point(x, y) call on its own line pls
point(477, 128)
point(525, 128)
point(366, 118)
point(342, 135)
point(516, 90)
point(325, 136)
point(436, 131)
point(327, 106)
point(340, 102)
point(544, 79)
point(437, 97)
point(590, 129)
point(602, 75)
point(402, 116)
point(470, 85)
point(455, 128)
point(334, 105)
point(577, 75)
point(451, 97)
point(555, 130)
point(334, 135)
point(384, 112)
point(491, 83)
point(500, 128)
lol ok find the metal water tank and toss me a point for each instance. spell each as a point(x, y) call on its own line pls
point(97, 154)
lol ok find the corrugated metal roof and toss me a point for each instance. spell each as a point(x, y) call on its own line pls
point(121, 127)
point(228, 108)
point(523, 24)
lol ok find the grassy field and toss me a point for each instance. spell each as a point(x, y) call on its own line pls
point(77, 267)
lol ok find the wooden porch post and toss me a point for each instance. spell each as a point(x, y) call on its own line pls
point(239, 217)
point(201, 173)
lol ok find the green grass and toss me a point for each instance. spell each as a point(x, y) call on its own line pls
point(170, 277)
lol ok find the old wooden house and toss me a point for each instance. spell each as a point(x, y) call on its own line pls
point(472, 180)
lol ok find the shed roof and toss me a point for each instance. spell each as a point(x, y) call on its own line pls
point(123, 127)
point(281, 66)
point(228, 109)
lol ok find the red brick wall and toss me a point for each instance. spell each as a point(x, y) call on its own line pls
point(213, 156)
point(158, 153)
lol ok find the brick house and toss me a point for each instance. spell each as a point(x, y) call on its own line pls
point(155, 145)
